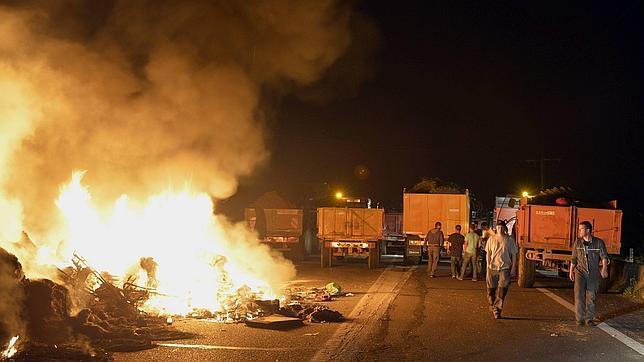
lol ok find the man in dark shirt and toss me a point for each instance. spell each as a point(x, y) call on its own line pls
point(587, 253)
point(486, 232)
point(434, 240)
point(455, 241)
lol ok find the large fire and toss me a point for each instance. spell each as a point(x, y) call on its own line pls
point(197, 266)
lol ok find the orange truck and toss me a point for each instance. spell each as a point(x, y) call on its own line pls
point(393, 239)
point(352, 232)
point(546, 234)
point(279, 228)
point(421, 211)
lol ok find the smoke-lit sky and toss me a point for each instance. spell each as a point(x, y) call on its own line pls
point(466, 91)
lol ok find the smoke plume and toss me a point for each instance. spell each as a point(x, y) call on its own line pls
point(146, 95)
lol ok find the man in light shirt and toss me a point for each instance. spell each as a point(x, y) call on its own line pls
point(501, 253)
point(470, 250)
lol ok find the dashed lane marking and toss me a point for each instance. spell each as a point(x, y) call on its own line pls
point(364, 319)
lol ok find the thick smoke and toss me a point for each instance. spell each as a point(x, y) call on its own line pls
point(146, 95)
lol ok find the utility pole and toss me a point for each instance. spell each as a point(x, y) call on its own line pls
point(542, 166)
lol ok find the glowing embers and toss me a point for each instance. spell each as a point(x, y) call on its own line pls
point(11, 348)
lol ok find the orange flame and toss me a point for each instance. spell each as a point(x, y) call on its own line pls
point(198, 266)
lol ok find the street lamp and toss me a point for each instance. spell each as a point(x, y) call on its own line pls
point(525, 194)
point(338, 195)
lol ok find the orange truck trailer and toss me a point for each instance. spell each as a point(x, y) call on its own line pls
point(546, 234)
point(279, 228)
point(352, 232)
point(393, 239)
point(421, 211)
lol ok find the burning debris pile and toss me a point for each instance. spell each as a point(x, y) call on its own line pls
point(112, 318)
point(111, 322)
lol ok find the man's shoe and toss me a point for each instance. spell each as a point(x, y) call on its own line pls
point(497, 315)
point(590, 324)
point(431, 276)
point(459, 278)
point(474, 280)
point(453, 276)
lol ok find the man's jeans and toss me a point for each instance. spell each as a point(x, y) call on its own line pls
point(433, 253)
point(498, 282)
point(586, 287)
point(456, 265)
point(467, 258)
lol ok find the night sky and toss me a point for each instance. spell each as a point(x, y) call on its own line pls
point(467, 91)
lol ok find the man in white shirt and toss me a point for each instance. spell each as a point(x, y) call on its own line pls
point(501, 254)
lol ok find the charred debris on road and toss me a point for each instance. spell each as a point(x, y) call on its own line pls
point(111, 319)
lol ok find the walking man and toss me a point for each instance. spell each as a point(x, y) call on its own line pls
point(501, 252)
point(455, 241)
point(585, 272)
point(434, 240)
point(471, 253)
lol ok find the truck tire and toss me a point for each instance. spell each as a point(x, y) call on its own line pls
point(527, 269)
point(374, 257)
point(326, 257)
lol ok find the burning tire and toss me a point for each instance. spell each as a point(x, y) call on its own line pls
point(527, 269)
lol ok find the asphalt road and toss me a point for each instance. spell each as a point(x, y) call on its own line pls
point(399, 313)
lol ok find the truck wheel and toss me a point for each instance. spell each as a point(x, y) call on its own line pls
point(326, 256)
point(374, 258)
point(527, 270)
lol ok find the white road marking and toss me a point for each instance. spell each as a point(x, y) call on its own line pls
point(364, 318)
point(628, 341)
point(558, 299)
point(635, 345)
point(233, 348)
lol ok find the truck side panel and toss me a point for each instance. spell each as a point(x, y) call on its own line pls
point(393, 224)
point(607, 226)
point(349, 223)
point(283, 222)
point(545, 226)
point(422, 211)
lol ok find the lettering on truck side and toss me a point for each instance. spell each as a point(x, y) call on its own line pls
point(545, 213)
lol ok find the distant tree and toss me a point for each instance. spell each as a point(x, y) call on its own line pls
point(435, 185)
